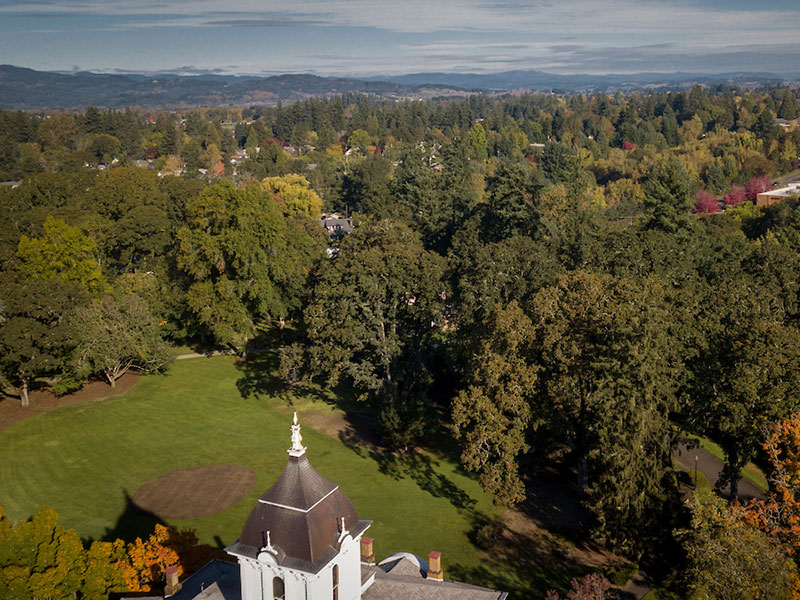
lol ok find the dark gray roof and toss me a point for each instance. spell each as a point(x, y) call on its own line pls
point(300, 485)
point(337, 226)
point(406, 582)
point(303, 514)
point(217, 580)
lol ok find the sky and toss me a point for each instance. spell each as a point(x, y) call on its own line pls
point(381, 37)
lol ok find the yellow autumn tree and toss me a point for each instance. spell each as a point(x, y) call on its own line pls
point(40, 558)
point(106, 566)
point(148, 559)
point(64, 252)
point(294, 195)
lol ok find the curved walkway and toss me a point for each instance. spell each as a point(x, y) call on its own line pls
point(710, 466)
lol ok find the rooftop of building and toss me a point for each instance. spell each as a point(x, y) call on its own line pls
point(302, 518)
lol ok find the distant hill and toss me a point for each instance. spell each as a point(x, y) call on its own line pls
point(22, 88)
point(539, 80)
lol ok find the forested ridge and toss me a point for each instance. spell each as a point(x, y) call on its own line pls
point(577, 276)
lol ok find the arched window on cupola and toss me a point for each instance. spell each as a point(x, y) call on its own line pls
point(278, 589)
point(335, 576)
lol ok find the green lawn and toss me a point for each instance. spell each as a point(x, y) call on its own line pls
point(86, 461)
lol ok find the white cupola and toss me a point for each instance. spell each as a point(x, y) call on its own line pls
point(301, 541)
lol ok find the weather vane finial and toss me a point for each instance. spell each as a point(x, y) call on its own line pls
point(297, 448)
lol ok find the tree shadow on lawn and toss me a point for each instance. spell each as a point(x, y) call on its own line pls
point(525, 567)
point(355, 425)
point(419, 468)
point(542, 543)
point(258, 377)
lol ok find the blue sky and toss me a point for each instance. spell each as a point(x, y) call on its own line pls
point(371, 37)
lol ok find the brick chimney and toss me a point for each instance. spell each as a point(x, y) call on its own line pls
point(173, 586)
point(367, 554)
point(435, 565)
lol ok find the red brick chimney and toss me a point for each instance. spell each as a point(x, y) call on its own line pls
point(173, 586)
point(435, 565)
point(367, 554)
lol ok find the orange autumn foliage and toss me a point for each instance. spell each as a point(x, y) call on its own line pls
point(41, 559)
point(148, 559)
point(779, 514)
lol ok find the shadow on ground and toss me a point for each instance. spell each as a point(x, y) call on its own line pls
point(355, 426)
point(540, 544)
point(523, 566)
point(419, 468)
point(132, 523)
point(258, 378)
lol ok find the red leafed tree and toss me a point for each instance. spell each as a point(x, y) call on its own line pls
point(590, 587)
point(627, 145)
point(706, 203)
point(779, 514)
point(758, 184)
point(735, 196)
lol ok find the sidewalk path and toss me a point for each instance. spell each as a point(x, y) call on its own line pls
point(711, 466)
point(204, 355)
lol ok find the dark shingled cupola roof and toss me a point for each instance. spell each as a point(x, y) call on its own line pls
point(304, 514)
point(300, 486)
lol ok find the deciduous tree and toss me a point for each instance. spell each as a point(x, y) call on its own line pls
point(706, 203)
point(757, 185)
point(747, 375)
point(35, 335)
point(63, 252)
point(117, 335)
point(727, 559)
point(493, 414)
point(244, 263)
point(295, 195)
point(779, 514)
point(734, 196)
point(372, 313)
point(149, 559)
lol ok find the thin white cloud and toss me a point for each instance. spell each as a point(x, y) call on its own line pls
point(473, 35)
point(679, 18)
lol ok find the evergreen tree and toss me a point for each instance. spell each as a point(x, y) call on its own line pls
point(788, 109)
point(669, 197)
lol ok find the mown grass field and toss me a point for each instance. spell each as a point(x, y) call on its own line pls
point(86, 461)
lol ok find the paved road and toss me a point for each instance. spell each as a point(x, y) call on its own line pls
point(787, 179)
point(198, 355)
point(711, 466)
